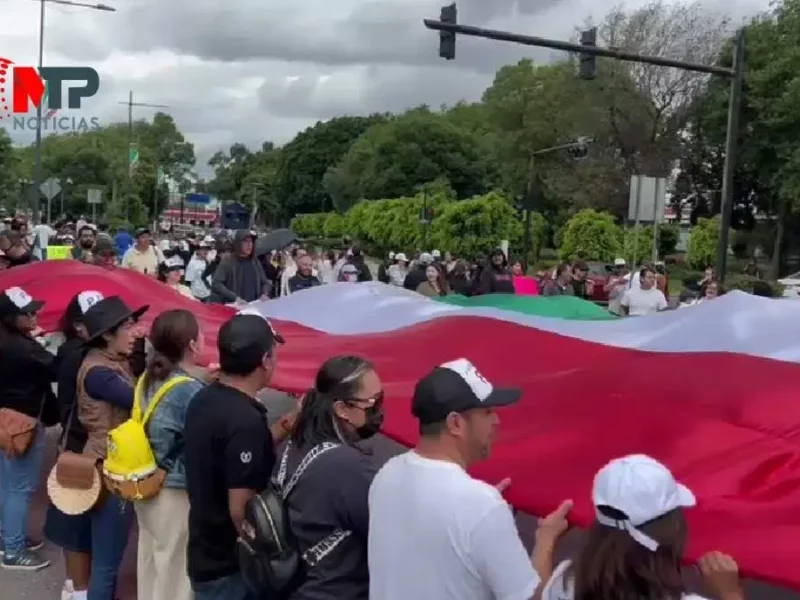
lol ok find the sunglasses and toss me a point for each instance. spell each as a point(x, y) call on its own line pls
point(375, 401)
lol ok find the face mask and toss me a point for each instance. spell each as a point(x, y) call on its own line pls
point(87, 244)
point(372, 424)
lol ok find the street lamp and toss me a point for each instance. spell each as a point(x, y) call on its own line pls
point(37, 151)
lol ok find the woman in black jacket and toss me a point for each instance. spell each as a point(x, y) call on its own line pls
point(72, 533)
point(26, 373)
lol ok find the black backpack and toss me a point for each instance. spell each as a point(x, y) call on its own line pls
point(269, 558)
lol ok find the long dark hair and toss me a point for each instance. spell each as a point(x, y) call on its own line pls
point(170, 336)
point(339, 378)
point(72, 316)
point(614, 566)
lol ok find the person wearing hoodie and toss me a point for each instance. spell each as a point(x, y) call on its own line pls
point(416, 274)
point(239, 277)
point(384, 267)
point(496, 278)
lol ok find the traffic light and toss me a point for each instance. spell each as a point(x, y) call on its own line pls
point(580, 148)
point(447, 39)
point(587, 63)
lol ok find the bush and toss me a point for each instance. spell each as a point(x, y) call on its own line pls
point(465, 227)
point(309, 225)
point(745, 283)
point(669, 234)
point(638, 248)
point(591, 235)
point(474, 227)
point(703, 240)
point(334, 225)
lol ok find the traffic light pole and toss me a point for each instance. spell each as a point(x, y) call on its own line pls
point(735, 73)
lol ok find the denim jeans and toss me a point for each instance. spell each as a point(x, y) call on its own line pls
point(231, 587)
point(111, 526)
point(19, 478)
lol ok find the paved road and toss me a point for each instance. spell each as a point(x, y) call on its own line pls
point(46, 584)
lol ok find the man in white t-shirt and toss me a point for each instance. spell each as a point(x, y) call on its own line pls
point(435, 533)
point(645, 299)
point(41, 239)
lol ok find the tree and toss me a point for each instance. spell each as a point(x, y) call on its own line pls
point(591, 235)
point(768, 159)
point(393, 159)
point(532, 108)
point(648, 105)
point(249, 178)
point(98, 158)
point(703, 241)
point(304, 161)
point(9, 170)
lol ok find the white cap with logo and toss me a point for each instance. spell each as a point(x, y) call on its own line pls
point(643, 489)
point(619, 262)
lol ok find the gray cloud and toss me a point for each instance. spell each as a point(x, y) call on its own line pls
point(251, 71)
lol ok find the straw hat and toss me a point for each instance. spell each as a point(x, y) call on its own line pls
point(73, 500)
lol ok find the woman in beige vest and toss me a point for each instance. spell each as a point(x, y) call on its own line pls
point(105, 388)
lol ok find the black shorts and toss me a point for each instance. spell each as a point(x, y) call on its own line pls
point(72, 533)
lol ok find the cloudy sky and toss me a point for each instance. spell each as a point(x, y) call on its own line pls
point(248, 70)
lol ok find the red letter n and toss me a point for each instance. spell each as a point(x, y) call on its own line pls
point(28, 86)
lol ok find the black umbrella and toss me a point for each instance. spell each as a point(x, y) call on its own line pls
point(275, 240)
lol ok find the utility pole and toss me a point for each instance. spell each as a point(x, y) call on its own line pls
point(129, 158)
point(35, 191)
point(579, 149)
point(588, 48)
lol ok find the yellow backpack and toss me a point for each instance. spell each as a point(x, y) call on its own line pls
point(130, 470)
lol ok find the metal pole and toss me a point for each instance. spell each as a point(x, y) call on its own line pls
point(37, 150)
point(529, 202)
point(128, 158)
point(731, 142)
point(636, 227)
point(529, 40)
point(659, 186)
point(155, 199)
point(425, 221)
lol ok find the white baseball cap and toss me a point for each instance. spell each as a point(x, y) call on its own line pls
point(391, 255)
point(425, 258)
point(436, 254)
point(643, 489)
point(174, 263)
point(619, 262)
point(400, 257)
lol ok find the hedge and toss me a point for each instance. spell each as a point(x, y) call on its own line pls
point(465, 227)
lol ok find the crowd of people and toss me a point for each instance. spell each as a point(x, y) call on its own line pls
point(230, 268)
point(186, 452)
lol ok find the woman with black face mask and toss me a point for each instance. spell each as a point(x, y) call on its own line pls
point(328, 506)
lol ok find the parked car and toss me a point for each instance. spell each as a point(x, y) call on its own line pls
point(791, 286)
point(599, 274)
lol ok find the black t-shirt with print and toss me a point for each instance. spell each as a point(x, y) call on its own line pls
point(228, 446)
point(332, 494)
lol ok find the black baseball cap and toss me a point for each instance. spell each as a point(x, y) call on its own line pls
point(457, 386)
point(243, 341)
point(16, 301)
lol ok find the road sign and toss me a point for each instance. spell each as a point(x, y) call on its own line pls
point(50, 188)
point(647, 199)
point(133, 156)
point(198, 198)
point(94, 196)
